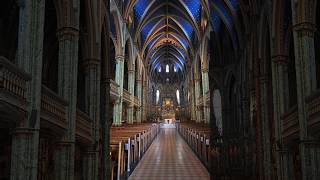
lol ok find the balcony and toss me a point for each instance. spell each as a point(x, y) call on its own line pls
point(126, 96)
point(290, 119)
point(207, 97)
point(314, 113)
point(200, 100)
point(114, 90)
point(53, 110)
point(290, 123)
point(83, 127)
point(13, 85)
point(136, 101)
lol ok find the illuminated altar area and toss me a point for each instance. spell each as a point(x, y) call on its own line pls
point(168, 112)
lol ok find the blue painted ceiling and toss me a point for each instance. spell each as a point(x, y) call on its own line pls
point(167, 30)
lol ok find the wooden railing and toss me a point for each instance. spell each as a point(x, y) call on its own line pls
point(207, 96)
point(314, 112)
point(83, 126)
point(126, 96)
point(136, 101)
point(53, 108)
point(114, 88)
point(290, 123)
point(13, 84)
point(200, 100)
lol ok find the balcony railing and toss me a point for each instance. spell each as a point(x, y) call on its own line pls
point(314, 112)
point(53, 108)
point(13, 84)
point(126, 96)
point(290, 123)
point(207, 96)
point(200, 100)
point(83, 127)
point(114, 88)
point(136, 101)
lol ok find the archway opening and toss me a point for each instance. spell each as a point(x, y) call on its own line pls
point(217, 108)
point(317, 45)
point(50, 48)
point(9, 26)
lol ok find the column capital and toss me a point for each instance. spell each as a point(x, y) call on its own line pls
point(119, 57)
point(65, 143)
point(131, 71)
point(263, 78)
point(67, 33)
point(280, 59)
point(90, 63)
point(25, 131)
point(138, 78)
point(305, 28)
point(205, 70)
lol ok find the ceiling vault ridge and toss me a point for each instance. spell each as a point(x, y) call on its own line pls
point(168, 31)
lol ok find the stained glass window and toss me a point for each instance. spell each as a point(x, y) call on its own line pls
point(178, 96)
point(157, 96)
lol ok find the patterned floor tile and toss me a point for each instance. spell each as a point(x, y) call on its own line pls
point(169, 157)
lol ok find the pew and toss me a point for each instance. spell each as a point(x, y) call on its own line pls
point(198, 138)
point(128, 143)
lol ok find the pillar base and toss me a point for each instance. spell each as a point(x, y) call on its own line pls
point(310, 158)
point(64, 160)
point(90, 165)
point(285, 169)
point(24, 157)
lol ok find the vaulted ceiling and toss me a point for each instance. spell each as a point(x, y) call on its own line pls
point(171, 30)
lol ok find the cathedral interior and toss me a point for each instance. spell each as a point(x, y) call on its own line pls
point(159, 89)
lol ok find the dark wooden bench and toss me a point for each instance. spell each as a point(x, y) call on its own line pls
point(198, 138)
point(128, 143)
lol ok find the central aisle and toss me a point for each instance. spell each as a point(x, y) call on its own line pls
point(169, 157)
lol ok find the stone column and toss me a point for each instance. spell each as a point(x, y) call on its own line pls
point(92, 106)
point(286, 170)
point(193, 106)
point(139, 89)
point(24, 157)
point(303, 32)
point(266, 144)
point(131, 91)
point(68, 36)
point(91, 164)
point(197, 95)
point(117, 114)
point(205, 92)
point(280, 97)
point(25, 138)
point(144, 100)
point(192, 94)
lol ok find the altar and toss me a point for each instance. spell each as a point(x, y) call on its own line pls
point(169, 121)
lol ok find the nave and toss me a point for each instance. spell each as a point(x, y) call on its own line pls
point(84, 85)
point(169, 157)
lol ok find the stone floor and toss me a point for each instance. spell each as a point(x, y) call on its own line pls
point(169, 157)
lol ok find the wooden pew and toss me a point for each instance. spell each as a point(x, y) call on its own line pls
point(128, 143)
point(198, 138)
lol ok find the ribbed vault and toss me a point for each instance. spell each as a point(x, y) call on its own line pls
point(170, 31)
